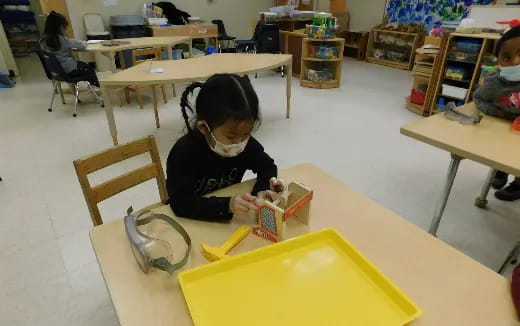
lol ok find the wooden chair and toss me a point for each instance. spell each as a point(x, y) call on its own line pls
point(107, 189)
point(153, 54)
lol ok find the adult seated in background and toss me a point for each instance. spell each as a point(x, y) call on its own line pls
point(500, 96)
point(56, 42)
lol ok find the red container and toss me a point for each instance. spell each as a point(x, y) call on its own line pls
point(417, 97)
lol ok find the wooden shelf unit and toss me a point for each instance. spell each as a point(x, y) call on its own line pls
point(333, 65)
point(411, 42)
point(355, 44)
point(423, 74)
point(488, 41)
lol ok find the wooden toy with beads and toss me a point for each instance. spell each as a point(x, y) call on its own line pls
point(272, 217)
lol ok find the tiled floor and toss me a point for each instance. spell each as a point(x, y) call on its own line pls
point(49, 275)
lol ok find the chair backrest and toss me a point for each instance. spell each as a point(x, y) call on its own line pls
point(107, 189)
point(220, 27)
point(140, 55)
point(52, 66)
point(269, 39)
point(94, 23)
point(258, 29)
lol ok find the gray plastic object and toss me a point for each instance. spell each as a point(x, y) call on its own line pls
point(126, 20)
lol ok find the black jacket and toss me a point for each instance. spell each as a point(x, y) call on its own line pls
point(194, 170)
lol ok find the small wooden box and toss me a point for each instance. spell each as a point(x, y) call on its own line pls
point(271, 218)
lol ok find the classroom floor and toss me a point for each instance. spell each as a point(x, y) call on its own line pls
point(49, 274)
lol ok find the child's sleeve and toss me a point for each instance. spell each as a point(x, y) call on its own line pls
point(484, 96)
point(181, 185)
point(74, 44)
point(263, 165)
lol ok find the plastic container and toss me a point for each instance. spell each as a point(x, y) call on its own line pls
point(316, 279)
point(157, 21)
point(194, 20)
point(467, 45)
point(462, 57)
point(454, 92)
point(417, 97)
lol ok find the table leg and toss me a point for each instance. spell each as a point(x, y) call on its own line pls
point(190, 48)
point(481, 201)
point(121, 60)
point(170, 52)
point(109, 110)
point(112, 58)
point(170, 57)
point(288, 76)
point(452, 172)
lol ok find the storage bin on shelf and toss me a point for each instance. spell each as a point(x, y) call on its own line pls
point(462, 56)
point(454, 91)
point(466, 45)
point(323, 51)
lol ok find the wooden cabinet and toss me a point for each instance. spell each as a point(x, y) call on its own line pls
point(204, 30)
point(460, 68)
point(393, 48)
point(317, 70)
point(291, 43)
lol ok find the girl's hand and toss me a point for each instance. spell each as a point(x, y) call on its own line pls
point(268, 195)
point(242, 204)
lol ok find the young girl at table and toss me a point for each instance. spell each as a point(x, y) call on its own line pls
point(217, 150)
point(56, 42)
point(500, 96)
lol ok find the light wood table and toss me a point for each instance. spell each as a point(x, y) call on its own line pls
point(451, 288)
point(196, 69)
point(166, 42)
point(486, 143)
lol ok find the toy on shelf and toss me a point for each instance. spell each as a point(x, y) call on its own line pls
point(318, 76)
point(323, 26)
point(292, 201)
point(325, 51)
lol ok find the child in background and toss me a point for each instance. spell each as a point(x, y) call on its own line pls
point(217, 150)
point(500, 96)
point(56, 42)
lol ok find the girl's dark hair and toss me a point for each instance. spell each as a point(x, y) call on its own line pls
point(221, 98)
point(53, 29)
point(512, 33)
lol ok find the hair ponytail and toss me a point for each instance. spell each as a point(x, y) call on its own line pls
point(223, 97)
point(185, 103)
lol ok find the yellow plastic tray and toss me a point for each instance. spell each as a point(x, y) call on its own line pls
point(315, 279)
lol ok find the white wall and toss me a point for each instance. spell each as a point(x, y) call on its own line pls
point(236, 14)
point(365, 14)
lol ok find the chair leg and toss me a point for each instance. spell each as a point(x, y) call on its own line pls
point(61, 93)
point(95, 94)
point(139, 96)
point(76, 100)
point(54, 90)
point(163, 90)
point(511, 258)
point(155, 109)
point(174, 89)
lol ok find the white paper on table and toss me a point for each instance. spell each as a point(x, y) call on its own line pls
point(157, 70)
point(94, 41)
point(109, 3)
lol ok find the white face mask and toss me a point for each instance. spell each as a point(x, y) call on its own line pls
point(226, 150)
point(511, 73)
